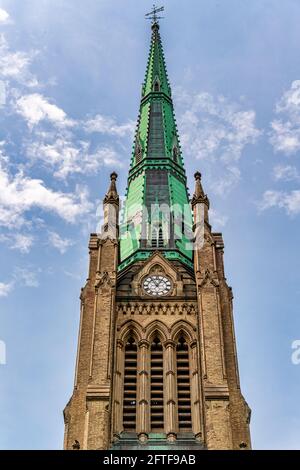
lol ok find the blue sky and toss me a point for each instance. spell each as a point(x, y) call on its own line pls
point(70, 81)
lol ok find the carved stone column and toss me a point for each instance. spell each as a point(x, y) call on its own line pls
point(118, 391)
point(171, 421)
point(143, 391)
point(195, 391)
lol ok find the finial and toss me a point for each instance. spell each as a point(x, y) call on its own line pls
point(112, 193)
point(153, 16)
point(199, 195)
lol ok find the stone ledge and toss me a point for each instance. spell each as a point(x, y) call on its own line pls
point(215, 392)
point(98, 391)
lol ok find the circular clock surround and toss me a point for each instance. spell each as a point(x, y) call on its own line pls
point(157, 285)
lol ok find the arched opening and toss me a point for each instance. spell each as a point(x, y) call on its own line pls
point(138, 153)
point(160, 238)
point(130, 381)
point(154, 238)
point(157, 387)
point(175, 154)
point(156, 85)
point(157, 239)
point(183, 385)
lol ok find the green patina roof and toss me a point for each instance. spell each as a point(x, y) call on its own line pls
point(157, 174)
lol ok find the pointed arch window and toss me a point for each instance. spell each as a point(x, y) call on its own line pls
point(157, 388)
point(130, 386)
point(154, 238)
point(175, 154)
point(138, 153)
point(183, 386)
point(157, 239)
point(160, 238)
point(156, 85)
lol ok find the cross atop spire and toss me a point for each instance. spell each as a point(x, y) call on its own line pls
point(153, 14)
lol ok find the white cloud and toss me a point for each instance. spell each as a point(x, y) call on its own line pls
point(107, 125)
point(216, 131)
point(289, 201)
point(22, 243)
point(66, 158)
point(21, 276)
point(15, 65)
point(285, 133)
point(25, 277)
point(5, 289)
point(290, 101)
point(286, 173)
point(61, 244)
point(217, 220)
point(285, 137)
point(4, 16)
point(19, 194)
point(18, 241)
point(72, 275)
point(2, 93)
point(36, 108)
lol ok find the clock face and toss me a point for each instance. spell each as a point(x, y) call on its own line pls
point(157, 286)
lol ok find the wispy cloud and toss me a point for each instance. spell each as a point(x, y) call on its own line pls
point(217, 131)
point(36, 108)
point(20, 193)
point(6, 288)
point(21, 277)
point(107, 125)
point(16, 65)
point(286, 200)
point(285, 133)
point(26, 277)
point(23, 243)
point(4, 16)
point(286, 173)
point(217, 220)
point(18, 241)
point(67, 157)
point(61, 244)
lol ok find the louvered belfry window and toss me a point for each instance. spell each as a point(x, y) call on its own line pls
point(183, 386)
point(130, 386)
point(156, 142)
point(157, 388)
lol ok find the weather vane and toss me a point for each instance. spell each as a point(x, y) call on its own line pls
point(153, 14)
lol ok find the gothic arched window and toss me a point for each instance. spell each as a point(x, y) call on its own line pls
point(175, 154)
point(157, 240)
point(154, 238)
point(183, 385)
point(157, 387)
point(138, 153)
point(157, 85)
point(130, 388)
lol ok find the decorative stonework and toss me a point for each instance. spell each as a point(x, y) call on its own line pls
point(208, 278)
point(156, 308)
point(104, 279)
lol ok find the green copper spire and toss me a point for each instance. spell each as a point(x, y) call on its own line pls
point(156, 214)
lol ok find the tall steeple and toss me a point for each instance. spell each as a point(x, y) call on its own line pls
point(157, 364)
point(157, 179)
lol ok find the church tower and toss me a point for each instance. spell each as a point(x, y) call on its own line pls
point(157, 363)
